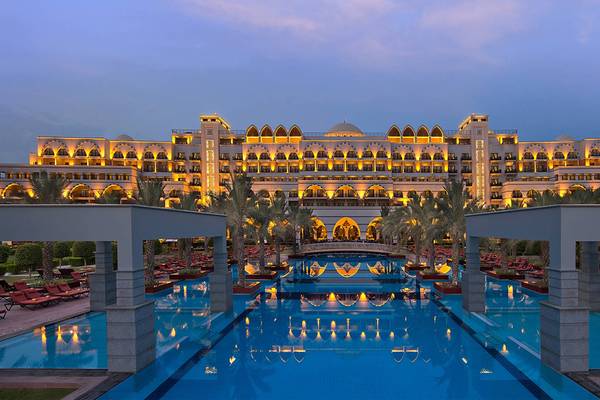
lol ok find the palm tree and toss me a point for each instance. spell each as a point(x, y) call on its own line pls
point(260, 216)
point(301, 221)
point(280, 228)
point(235, 202)
point(188, 202)
point(150, 193)
point(430, 218)
point(47, 189)
point(455, 205)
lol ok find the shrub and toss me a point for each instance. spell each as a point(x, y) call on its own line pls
point(62, 249)
point(56, 262)
point(3, 269)
point(13, 269)
point(85, 250)
point(158, 247)
point(28, 256)
point(73, 261)
point(4, 253)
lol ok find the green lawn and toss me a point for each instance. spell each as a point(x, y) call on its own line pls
point(34, 394)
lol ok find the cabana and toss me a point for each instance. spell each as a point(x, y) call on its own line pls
point(572, 292)
point(130, 322)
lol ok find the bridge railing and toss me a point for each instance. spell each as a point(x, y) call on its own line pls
point(373, 247)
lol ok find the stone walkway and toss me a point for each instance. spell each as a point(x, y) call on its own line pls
point(20, 320)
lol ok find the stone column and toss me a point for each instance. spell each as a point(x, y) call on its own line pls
point(589, 276)
point(103, 290)
point(220, 280)
point(130, 322)
point(564, 323)
point(473, 280)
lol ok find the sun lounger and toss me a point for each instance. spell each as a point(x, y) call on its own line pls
point(67, 289)
point(21, 299)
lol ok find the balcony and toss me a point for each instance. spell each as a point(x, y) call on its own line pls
point(466, 170)
point(465, 157)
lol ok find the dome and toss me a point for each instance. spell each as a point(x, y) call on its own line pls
point(344, 129)
point(124, 138)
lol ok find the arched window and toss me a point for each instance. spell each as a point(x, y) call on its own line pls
point(80, 153)
point(381, 154)
point(118, 154)
point(542, 156)
point(367, 154)
point(280, 156)
point(132, 155)
point(396, 156)
point(338, 154)
point(425, 156)
point(251, 156)
point(595, 152)
point(321, 154)
point(293, 156)
point(148, 155)
point(63, 152)
point(264, 156)
point(409, 156)
point(48, 151)
point(309, 154)
point(351, 154)
point(438, 157)
point(94, 153)
point(558, 155)
point(572, 155)
point(527, 156)
point(161, 156)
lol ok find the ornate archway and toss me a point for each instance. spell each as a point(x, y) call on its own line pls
point(346, 229)
point(318, 231)
point(374, 230)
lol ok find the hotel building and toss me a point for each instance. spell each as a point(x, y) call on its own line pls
point(345, 175)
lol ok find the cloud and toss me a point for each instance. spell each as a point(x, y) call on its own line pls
point(385, 31)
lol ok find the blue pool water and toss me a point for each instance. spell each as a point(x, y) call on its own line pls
point(352, 327)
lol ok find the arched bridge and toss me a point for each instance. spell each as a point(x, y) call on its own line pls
point(352, 246)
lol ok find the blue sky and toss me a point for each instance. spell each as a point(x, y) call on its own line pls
point(142, 67)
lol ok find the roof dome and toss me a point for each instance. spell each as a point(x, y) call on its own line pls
point(124, 138)
point(344, 129)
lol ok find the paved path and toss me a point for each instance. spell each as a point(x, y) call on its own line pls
point(20, 319)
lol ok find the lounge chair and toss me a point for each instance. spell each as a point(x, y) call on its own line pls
point(5, 298)
point(67, 289)
point(55, 291)
point(21, 299)
point(21, 286)
point(78, 277)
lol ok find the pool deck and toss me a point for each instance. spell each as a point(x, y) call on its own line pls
point(20, 320)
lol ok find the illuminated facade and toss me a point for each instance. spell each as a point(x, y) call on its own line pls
point(344, 174)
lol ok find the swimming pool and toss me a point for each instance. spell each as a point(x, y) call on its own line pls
point(356, 330)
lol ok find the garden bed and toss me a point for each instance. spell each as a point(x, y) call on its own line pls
point(447, 288)
point(265, 275)
point(278, 267)
point(505, 274)
point(431, 276)
point(414, 267)
point(189, 275)
point(538, 287)
point(159, 286)
point(249, 288)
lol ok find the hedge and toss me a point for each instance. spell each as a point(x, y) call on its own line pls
point(28, 256)
point(62, 249)
point(73, 261)
point(4, 253)
point(85, 250)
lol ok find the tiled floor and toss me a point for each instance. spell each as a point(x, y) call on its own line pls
point(20, 319)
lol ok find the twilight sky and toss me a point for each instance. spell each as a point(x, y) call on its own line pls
point(142, 67)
